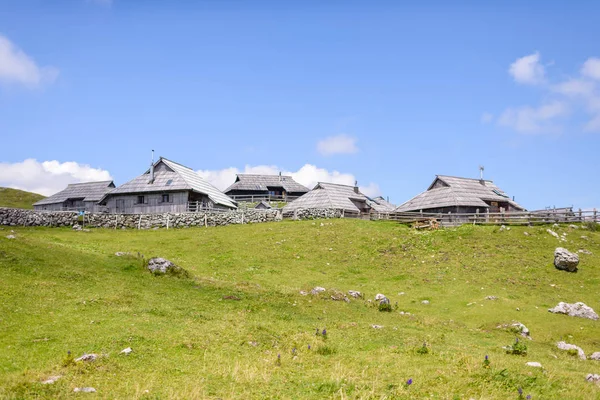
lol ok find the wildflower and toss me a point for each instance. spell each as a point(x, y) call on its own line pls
point(409, 382)
point(324, 332)
point(309, 346)
point(486, 362)
point(278, 362)
point(520, 390)
point(528, 397)
point(294, 350)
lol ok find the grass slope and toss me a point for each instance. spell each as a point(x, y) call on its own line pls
point(16, 198)
point(218, 333)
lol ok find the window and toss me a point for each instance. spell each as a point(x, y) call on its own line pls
point(500, 193)
point(140, 200)
point(165, 198)
point(169, 182)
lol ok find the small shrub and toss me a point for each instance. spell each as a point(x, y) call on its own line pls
point(325, 350)
point(518, 348)
point(423, 349)
point(486, 362)
point(68, 360)
point(383, 306)
point(573, 352)
point(592, 226)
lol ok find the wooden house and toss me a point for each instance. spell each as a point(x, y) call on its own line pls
point(460, 195)
point(379, 204)
point(334, 196)
point(251, 187)
point(166, 187)
point(77, 197)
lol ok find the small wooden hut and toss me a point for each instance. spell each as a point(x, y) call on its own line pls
point(77, 197)
point(252, 187)
point(332, 196)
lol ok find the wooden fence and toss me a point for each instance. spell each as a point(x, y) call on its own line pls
point(256, 198)
point(505, 218)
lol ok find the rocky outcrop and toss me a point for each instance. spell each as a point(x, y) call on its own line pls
point(565, 260)
point(575, 310)
point(161, 266)
point(571, 347)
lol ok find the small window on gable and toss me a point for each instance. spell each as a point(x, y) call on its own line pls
point(165, 198)
point(169, 182)
point(141, 200)
point(500, 193)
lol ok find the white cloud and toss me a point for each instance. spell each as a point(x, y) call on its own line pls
point(340, 144)
point(47, 177)
point(591, 68)
point(528, 70)
point(309, 175)
point(18, 67)
point(575, 87)
point(534, 120)
point(487, 117)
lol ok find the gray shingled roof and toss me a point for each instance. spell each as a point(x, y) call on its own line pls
point(177, 178)
point(380, 204)
point(88, 191)
point(328, 195)
point(457, 192)
point(263, 182)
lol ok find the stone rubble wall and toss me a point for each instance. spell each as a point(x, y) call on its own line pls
point(313, 213)
point(19, 217)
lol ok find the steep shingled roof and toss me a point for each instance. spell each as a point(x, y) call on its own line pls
point(380, 204)
point(175, 177)
point(88, 191)
point(263, 182)
point(328, 195)
point(450, 191)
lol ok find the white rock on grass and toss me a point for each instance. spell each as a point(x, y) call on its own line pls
point(316, 290)
point(122, 253)
point(425, 302)
point(85, 390)
point(159, 265)
point(594, 378)
point(51, 380)
point(565, 260)
point(584, 251)
point(491, 298)
point(550, 231)
point(303, 292)
point(126, 351)
point(355, 294)
point(534, 364)
point(377, 326)
point(87, 357)
point(567, 346)
point(11, 237)
point(579, 310)
point(521, 329)
point(595, 356)
point(380, 297)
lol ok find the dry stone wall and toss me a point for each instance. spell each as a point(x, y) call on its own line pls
point(19, 217)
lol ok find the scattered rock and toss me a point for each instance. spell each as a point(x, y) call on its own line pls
point(550, 231)
point(584, 237)
point(573, 226)
point(85, 390)
point(425, 302)
point(380, 297)
point(584, 251)
point(122, 253)
point(595, 378)
point(303, 292)
point(404, 313)
point(567, 346)
point(555, 226)
point(595, 356)
point(565, 260)
point(377, 326)
point(526, 233)
point(534, 364)
point(76, 227)
point(521, 329)
point(316, 290)
point(87, 357)
point(126, 351)
point(339, 296)
point(575, 310)
point(253, 344)
point(11, 237)
point(161, 266)
point(51, 380)
point(355, 294)
point(491, 298)
point(502, 228)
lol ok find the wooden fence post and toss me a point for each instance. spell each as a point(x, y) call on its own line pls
point(580, 219)
point(167, 221)
point(595, 215)
point(116, 220)
point(140, 221)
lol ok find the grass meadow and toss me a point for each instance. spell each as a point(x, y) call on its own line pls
point(238, 328)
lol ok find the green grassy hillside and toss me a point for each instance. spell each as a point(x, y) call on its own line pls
point(16, 198)
point(238, 328)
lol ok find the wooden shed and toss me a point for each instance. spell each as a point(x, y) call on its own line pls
point(166, 187)
point(77, 197)
point(461, 195)
point(252, 187)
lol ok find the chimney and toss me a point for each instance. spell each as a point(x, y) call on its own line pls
point(481, 168)
point(356, 187)
point(152, 169)
point(279, 176)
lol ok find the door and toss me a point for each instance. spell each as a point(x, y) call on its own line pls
point(120, 206)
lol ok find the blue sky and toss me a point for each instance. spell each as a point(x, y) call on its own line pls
point(387, 93)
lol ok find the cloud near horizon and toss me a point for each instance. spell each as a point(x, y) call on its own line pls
point(19, 68)
point(562, 99)
point(339, 144)
point(308, 175)
point(47, 177)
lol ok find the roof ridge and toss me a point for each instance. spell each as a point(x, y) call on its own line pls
point(87, 183)
point(460, 177)
point(174, 162)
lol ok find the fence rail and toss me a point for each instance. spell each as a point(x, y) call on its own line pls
point(263, 197)
point(505, 218)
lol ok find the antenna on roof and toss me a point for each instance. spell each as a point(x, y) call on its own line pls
point(481, 168)
point(152, 169)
